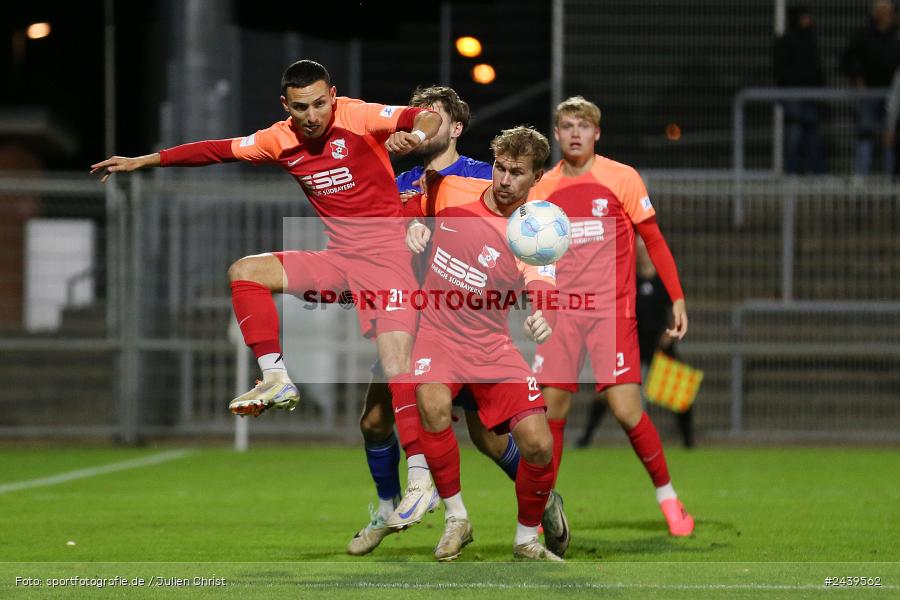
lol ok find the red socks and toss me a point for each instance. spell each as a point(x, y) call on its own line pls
point(257, 316)
point(647, 445)
point(557, 429)
point(442, 454)
point(534, 482)
point(533, 485)
point(406, 414)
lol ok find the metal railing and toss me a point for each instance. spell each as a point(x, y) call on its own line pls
point(742, 349)
point(771, 96)
point(161, 361)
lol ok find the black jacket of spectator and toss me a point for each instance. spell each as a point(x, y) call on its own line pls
point(872, 55)
point(797, 62)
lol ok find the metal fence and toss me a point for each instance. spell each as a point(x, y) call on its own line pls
point(139, 343)
point(847, 98)
point(59, 349)
point(665, 75)
point(819, 253)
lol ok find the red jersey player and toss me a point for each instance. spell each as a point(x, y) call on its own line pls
point(337, 149)
point(595, 192)
point(382, 447)
point(463, 336)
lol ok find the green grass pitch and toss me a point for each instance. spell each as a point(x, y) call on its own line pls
point(274, 522)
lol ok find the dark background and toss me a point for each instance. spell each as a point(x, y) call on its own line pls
point(65, 71)
point(648, 64)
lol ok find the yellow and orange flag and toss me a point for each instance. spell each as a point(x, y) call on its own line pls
point(671, 383)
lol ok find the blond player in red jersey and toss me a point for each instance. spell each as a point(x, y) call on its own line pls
point(598, 193)
point(337, 149)
point(377, 423)
point(463, 337)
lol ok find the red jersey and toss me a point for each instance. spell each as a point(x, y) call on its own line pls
point(472, 274)
point(346, 173)
point(603, 205)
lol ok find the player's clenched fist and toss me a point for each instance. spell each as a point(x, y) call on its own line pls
point(417, 236)
point(402, 142)
point(537, 328)
point(114, 164)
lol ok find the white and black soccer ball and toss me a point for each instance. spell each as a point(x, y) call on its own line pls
point(539, 233)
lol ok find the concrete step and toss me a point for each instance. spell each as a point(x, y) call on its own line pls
point(83, 321)
point(59, 388)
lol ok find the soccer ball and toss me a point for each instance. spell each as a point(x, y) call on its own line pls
point(538, 233)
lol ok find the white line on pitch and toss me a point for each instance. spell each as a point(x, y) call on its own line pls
point(94, 471)
point(569, 586)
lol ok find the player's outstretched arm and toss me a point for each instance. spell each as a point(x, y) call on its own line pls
point(193, 154)
point(115, 164)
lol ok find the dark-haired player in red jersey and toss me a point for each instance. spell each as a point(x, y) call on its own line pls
point(463, 337)
point(595, 192)
point(337, 150)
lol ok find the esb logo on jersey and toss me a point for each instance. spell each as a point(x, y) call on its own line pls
point(587, 231)
point(339, 149)
point(326, 179)
point(459, 269)
point(488, 257)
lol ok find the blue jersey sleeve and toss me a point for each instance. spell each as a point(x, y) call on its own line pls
point(406, 180)
point(463, 167)
point(480, 169)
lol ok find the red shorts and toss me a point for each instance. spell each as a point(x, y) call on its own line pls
point(380, 284)
point(500, 380)
point(559, 360)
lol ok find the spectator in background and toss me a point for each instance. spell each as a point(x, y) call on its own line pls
point(870, 61)
point(654, 311)
point(891, 125)
point(797, 64)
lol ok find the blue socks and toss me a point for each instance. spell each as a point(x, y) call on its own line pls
point(509, 462)
point(384, 458)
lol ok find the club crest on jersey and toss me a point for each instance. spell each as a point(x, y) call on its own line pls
point(488, 257)
point(599, 207)
point(339, 149)
point(423, 365)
